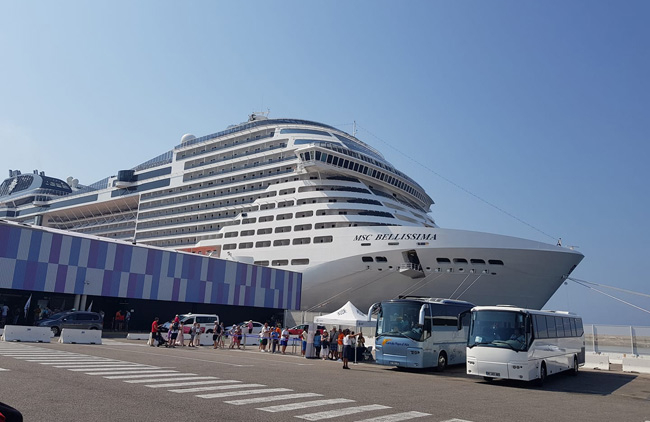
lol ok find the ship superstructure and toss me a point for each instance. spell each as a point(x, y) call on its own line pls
point(302, 196)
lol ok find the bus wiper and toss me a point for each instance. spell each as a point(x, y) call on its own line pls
point(506, 343)
point(476, 343)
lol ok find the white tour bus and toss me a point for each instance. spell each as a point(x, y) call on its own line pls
point(421, 332)
point(523, 344)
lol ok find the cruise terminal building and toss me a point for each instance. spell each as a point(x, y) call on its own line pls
point(64, 270)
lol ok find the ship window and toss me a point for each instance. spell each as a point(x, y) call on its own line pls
point(266, 218)
point(443, 260)
point(306, 131)
point(281, 242)
point(381, 259)
point(323, 239)
point(283, 229)
point(267, 230)
point(285, 204)
point(303, 261)
point(247, 233)
point(248, 220)
point(301, 241)
point(285, 216)
point(367, 259)
point(287, 191)
point(279, 262)
point(460, 261)
point(495, 262)
point(229, 246)
point(393, 243)
point(477, 261)
point(261, 263)
point(246, 245)
point(304, 214)
point(231, 234)
point(263, 244)
point(365, 244)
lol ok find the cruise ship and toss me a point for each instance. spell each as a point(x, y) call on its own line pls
point(302, 196)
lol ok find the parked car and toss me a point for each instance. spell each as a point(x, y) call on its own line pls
point(298, 329)
point(250, 339)
point(72, 319)
point(205, 320)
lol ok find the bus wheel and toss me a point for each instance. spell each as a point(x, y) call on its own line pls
point(575, 366)
point(488, 379)
point(542, 375)
point(442, 362)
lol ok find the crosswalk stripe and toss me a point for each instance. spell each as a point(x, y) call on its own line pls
point(215, 387)
point(110, 368)
point(242, 393)
point(54, 359)
point(141, 376)
point(397, 417)
point(47, 357)
point(341, 412)
point(75, 362)
point(267, 399)
point(190, 383)
point(161, 371)
point(169, 379)
point(303, 405)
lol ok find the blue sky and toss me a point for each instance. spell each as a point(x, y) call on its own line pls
point(521, 118)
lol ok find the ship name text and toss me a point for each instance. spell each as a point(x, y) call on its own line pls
point(394, 236)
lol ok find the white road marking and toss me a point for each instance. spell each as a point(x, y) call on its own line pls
point(190, 383)
point(157, 375)
point(176, 378)
point(243, 393)
point(397, 417)
point(216, 387)
point(111, 368)
point(341, 412)
point(304, 405)
point(79, 362)
point(272, 398)
point(138, 372)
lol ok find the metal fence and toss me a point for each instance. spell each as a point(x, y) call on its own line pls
point(617, 339)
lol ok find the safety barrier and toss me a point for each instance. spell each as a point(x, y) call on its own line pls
point(636, 364)
point(138, 336)
point(29, 334)
point(76, 336)
point(596, 361)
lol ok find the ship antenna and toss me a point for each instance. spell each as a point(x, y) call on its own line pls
point(354, 128)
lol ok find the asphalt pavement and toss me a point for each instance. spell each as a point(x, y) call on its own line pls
point(123, 380)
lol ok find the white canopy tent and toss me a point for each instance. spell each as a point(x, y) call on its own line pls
point(348, 316)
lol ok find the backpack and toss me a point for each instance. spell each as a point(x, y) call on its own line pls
point(175, 326)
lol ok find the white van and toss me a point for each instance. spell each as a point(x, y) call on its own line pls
point(205, 320)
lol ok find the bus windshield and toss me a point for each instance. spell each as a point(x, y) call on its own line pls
point(505, 329)
point(400, 319)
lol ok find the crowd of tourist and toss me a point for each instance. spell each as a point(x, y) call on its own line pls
point(338, 344)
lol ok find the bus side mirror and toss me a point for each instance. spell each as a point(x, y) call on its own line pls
point(372, 309)
point(421, 315)
point(461, 316)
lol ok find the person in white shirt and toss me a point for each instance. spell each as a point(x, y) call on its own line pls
point(348, 339)
point(284, 340)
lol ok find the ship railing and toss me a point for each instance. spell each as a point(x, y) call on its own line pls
point(146, 205)
point(410, 266)
point(209, 151)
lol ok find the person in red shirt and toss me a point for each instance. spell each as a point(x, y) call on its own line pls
point(155, 335)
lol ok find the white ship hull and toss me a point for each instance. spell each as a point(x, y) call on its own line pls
point(529, 274)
